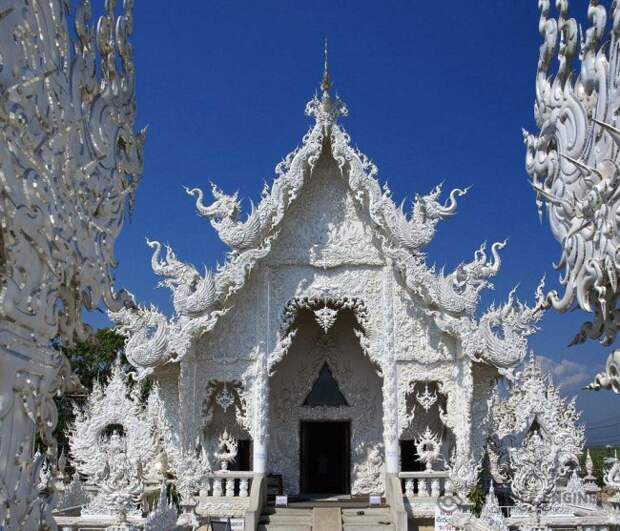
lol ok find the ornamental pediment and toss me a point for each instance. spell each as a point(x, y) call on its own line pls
point(324, 227)
point(327, 219)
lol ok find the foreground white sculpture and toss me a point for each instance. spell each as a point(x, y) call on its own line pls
point(573, 164)
point(70, 165)
point(536, 438)
point(111, 413)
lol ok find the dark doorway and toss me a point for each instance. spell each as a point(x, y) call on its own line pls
point(325, 457)
point(409, 457)
point(244, 456)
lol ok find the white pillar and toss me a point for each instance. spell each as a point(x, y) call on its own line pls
point(390, 419)
point(392, 457)
point(260, 446)
point(260, 457)
point(390, 379)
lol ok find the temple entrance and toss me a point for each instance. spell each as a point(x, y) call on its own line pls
point(325, 457)
point(326, 410)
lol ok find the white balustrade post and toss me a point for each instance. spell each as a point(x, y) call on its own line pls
point(230, 487)
point(435, 488)
point(409, 487)
point(243, 488)
point(217, 487)
point(422, 487)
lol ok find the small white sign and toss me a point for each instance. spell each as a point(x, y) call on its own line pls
point(237, 524)
point(281, 501)
point(374, 500)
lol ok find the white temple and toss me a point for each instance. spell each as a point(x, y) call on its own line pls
point(325, 359)
point(325, 344)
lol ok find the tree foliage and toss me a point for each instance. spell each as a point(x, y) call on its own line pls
point(599, 454)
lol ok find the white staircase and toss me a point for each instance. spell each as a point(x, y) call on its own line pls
point(368, 519)
point(286, 519)
point(299, 517)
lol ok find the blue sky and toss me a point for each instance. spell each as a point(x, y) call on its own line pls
point(437, 91)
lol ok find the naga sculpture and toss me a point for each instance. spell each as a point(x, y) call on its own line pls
point(191, 293)
point(71, 163)
point(573, 163)
point(418, 230)
point(223, 215)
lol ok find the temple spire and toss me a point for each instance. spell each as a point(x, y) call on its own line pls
point(326, 83)
point(326, 110)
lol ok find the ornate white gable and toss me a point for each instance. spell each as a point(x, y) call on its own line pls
point(327, 214)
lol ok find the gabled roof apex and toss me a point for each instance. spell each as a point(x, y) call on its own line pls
point(450, 299)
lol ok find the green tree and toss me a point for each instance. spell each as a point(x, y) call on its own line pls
point(599, 454)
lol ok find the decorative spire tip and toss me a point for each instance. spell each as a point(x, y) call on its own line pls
point(326, 83)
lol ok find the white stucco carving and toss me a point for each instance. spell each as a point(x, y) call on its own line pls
point(573, 162)
point(111, 411)
point(428, 447)
point(327, 268)
point(71, 162)
point(119, 482)
point(227, 448)
point(163, 516)
point(536, 438)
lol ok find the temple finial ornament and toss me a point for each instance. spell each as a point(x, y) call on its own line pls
point(326, 83)
point(326, 110)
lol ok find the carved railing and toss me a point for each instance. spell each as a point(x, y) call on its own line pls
point(229, 484)
point(427, 483)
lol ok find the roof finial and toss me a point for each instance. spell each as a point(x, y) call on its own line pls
point(326, 84)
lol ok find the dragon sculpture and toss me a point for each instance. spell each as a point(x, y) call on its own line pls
point(191, 293)
point(147, 334)
point(573, 163)
point(223, 214)
point(418, 230)
point(499, 336)
point(459, 291)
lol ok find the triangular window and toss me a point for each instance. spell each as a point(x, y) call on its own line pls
point(325, 391)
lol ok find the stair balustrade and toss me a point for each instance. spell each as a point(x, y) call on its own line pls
point(426, 483)
point(229, 484)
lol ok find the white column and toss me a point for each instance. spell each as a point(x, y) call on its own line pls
point(390, 419)
point(261, 419)
point(390, 379)
point(261, 383)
